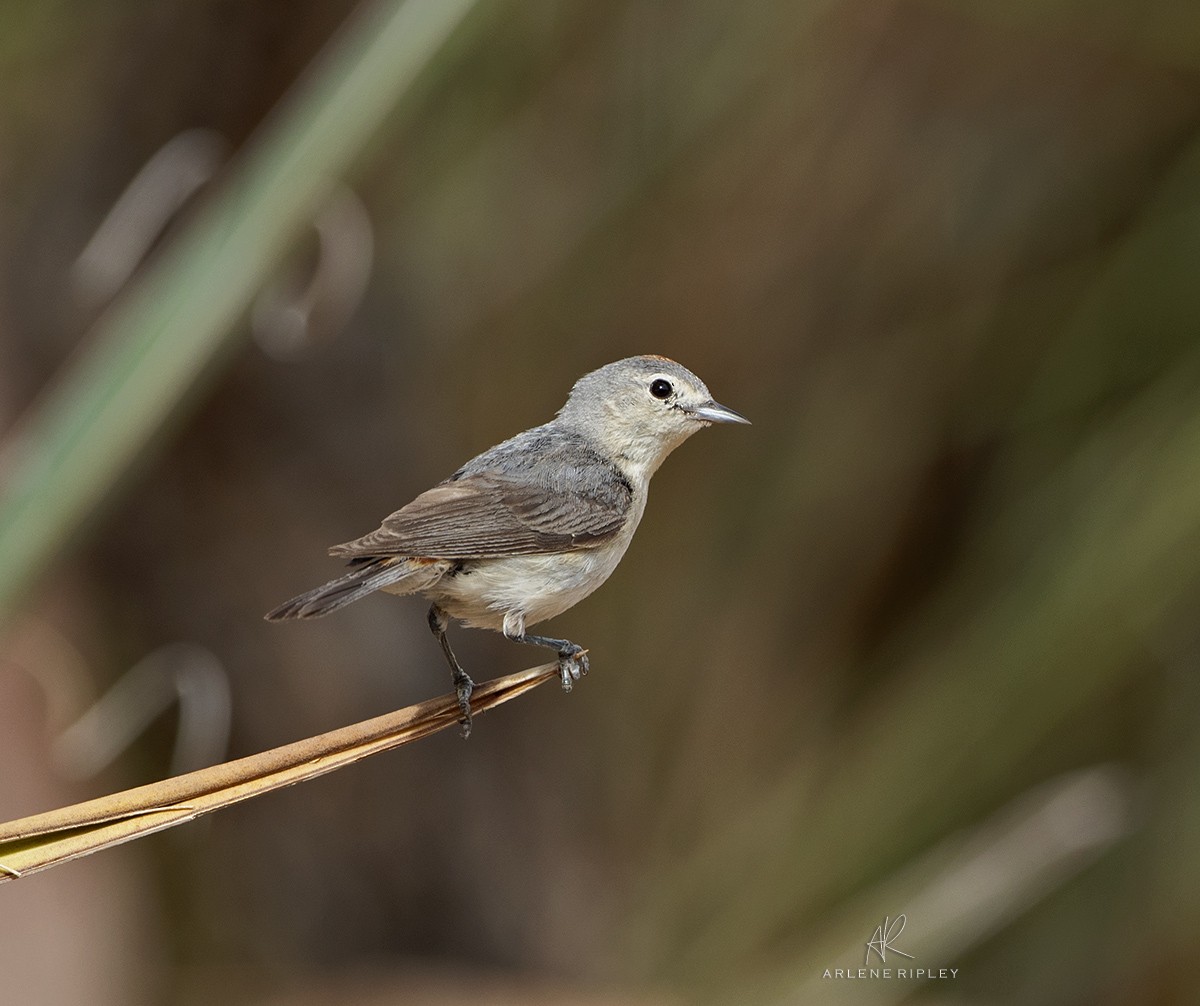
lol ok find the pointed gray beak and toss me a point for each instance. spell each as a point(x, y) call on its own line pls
point(713, 412)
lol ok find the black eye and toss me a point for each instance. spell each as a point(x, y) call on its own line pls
point(660, 388)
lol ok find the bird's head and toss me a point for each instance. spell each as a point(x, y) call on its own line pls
point(640, 409)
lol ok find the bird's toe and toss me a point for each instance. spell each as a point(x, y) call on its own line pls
point(572, 665)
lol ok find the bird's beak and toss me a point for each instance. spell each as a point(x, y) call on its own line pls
point(713, 412)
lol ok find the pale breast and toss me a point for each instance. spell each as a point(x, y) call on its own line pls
point(538, 586)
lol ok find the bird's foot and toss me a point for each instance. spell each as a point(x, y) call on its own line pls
point(463, 685)
point(572, 664)
point(572, 658)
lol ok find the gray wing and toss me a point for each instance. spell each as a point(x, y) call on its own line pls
point(538, 493)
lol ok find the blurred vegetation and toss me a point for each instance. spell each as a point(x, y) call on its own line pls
point(921, 641)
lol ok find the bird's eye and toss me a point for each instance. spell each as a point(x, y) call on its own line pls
point(660, 388)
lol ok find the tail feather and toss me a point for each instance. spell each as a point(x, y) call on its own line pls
point(366, 578)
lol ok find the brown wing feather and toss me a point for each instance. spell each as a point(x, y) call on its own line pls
point(489, 514)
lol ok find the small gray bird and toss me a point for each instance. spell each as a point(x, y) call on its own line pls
point(529, 528)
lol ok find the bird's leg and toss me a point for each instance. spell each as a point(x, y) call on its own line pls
point(572, 658)
point(463, 685)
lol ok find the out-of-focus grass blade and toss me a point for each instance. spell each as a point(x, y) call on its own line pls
point(987, 690)
point(44, 840)
point(146, 353)
point(959, 893)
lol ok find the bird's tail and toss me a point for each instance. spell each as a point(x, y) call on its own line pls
point(366, 577)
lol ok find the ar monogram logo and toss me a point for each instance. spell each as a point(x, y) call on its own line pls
point(881, 943)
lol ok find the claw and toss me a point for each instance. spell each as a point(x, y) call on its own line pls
point(572, 665)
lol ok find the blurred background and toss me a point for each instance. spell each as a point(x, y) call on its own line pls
point(922, 641)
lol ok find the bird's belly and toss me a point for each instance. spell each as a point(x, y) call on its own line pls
point(538, 586)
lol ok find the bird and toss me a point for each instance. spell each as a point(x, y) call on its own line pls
point(532, 526)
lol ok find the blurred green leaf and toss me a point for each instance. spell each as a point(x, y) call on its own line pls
point(157, 341)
